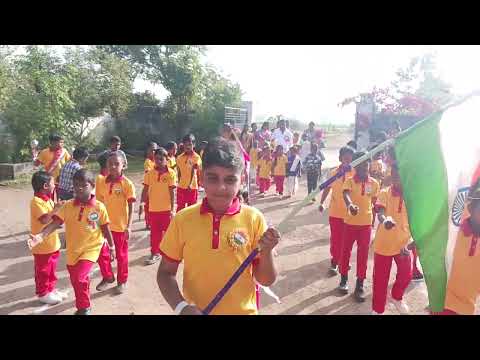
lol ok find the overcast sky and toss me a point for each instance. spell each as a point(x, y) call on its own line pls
point(307, 82)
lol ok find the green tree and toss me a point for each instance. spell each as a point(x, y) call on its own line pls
point(39, 104)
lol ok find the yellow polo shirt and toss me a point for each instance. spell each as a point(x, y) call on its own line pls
point(116, 195)
point(82, 229)
point(280, 168)
point(390, 242)
point(171, 162)
point(205, 243)
point(40, 206)
point(148, 164)
point(98, 181)
point(159, 185)
point(185, 164)
point(46, 157)
point(463, 285)
point(337, 208)
point(363, 194)
point(265, 168)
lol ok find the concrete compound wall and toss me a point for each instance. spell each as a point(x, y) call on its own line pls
point(12, 171)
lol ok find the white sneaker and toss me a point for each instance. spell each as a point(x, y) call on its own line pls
point(375, 313)
point(50, 299)
point(400, 306)
point(61, 294)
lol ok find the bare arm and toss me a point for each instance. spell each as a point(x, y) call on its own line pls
point(325, 193)
point(172, 202)
point(47, 218)
point(346, 198)
point(144, 196)
point(264, 271)
point(168, 285)
point(130, 214)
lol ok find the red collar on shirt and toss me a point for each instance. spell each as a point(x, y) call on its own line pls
point(114, 180)
point(90, 203)
point(104, 172)
point(42, 196)
point(233, 209)
point(396, 191)
point(467, 228)
point(160, 170)
point(357, 179)
point(151, 157)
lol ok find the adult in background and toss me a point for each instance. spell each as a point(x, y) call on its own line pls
point(264, 135)
point(283, 136)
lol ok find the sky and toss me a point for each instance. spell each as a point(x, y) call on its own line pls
point(307, 82)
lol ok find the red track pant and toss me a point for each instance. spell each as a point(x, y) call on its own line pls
point(121, 253)
point(381, 275)
point(264, 184)
point(336, 237)
point(79, 277)
point(279, 180)
point(45, 266)
point(159, 224)
point(186, 197)
point(361, 234)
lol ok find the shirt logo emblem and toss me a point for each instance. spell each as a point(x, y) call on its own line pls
point(237, 239)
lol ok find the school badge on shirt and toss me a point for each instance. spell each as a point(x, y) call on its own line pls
point(93, 218)
point(237, 239)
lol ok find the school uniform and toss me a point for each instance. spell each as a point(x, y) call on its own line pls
point(148, 165)
point(337, 212)
point(293, 173)
point(185, 164)
point(387, 248)
point(463, 287)
point(116, 194)
point(159, 182)
point(358, 228)
point(212, 247)
point(45, 254)
point(264, 174)
point(279, 172)
point(85, 240)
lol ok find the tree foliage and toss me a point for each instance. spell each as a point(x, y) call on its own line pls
point(417, 90)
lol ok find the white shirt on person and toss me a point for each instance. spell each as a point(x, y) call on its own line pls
point(283, 138)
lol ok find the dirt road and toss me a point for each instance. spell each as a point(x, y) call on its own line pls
point(303, 260)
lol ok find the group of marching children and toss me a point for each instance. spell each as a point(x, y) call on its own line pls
point(98, 212)
point(371, 189)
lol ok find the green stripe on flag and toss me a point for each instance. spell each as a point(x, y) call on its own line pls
point(424, 180)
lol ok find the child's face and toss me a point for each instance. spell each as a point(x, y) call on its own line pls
point(114, 146)
point(82, 189)
point(115, 166)
point(346, 159)
point(151, 150)
point(172, 151)
point(363, 169)
point(160, 160)
point(57, 145)
point(188, 146)
point(221, 186)
point(49, 186)
point(378, 156)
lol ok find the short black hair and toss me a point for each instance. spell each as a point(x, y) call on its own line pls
point(346, 149)
point(358, 155)
point(352, 144)
point(115, 139)
point(102, 160)
point(55, 137)
point(223, 153)
point(170, 145)
point(84, 175)
point(39, 179)
point(311, 123)
point(161, 151)
point(80, 153)
point(189, 138)
point(151, 144)
point(313, 145)
point(117, 154)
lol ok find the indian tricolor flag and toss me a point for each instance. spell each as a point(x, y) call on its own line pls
point(438, 160)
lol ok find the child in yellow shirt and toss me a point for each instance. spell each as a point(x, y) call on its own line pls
point(264, 171)
point(86, 227)
point(213, 238)
point(279, 169)
point(46, 254)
